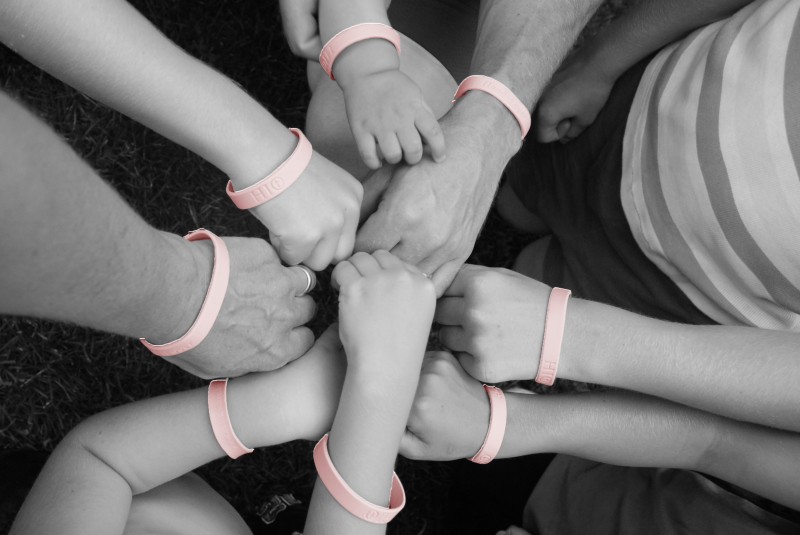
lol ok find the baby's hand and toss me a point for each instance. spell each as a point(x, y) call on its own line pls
point(385, 313)
point(387, 108)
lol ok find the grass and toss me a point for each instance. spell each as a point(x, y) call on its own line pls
point(53, 375)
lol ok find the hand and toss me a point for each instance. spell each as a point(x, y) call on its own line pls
point(314, 221)
point(571, 102)
point(450, 415)
point(493, 319)
point(430, 214)
point(300, 27)
point(388, 107)
point(385, 313)
point(317, 379)
point(259, 327)
point(513, 530)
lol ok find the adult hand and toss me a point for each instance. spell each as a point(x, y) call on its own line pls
point(572, 100)
point(385, 312)
point(315, 220)
point(450, 415)
point(300, 27)
point(260, 325)
point(493, 319)
point(431, 213)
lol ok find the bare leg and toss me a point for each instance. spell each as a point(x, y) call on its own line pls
point(187, 505)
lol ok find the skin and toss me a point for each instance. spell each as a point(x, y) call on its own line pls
point(109, 475)
point(113, 272)
point(106, 49)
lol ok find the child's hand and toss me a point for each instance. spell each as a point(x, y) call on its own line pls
point(450, 415)
point(387, 109)
point(300, 27)
point(574, 97)
point(385, 313)
point(314, 221)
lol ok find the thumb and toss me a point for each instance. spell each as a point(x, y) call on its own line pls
point(374, 187)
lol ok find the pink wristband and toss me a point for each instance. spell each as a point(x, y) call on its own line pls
point(211, 305)
point(221, 420)
point(497, 426)
point(498, 90)
point(352, 35)
point(553, 336)
point(277, 181)
point(347, 497)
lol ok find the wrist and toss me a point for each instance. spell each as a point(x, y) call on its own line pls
point(258, 154)
point(174, 300)
point(490, 122)
point(531, 425)
point(364, 58)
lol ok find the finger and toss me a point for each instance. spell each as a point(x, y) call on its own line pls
point(450, 311)
point(367, 149)
point(322, 255)
point(432, 135)
point(458, 288)
point(547, 124)
point(274, 240)
point(388, 261)
point(298, 343)
point(470, 365)
point(390, 147)
point(411, 144)
point(304, 308)
point(329, 340)
point(344, 273)
point(563, 128)
point(365, 263)
point(294, 251)
point(411, 447)
point(304, 279)
point(444, 276)
point(374, 187)
point(453, 337)
point(576, 128)
point(411, 252)
point(376, 233)
point(347, 237)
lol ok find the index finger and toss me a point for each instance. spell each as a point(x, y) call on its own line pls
point(432, 135)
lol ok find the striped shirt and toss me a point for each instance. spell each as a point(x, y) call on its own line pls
point(711, 160)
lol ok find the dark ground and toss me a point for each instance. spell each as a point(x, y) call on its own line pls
point(53, 375)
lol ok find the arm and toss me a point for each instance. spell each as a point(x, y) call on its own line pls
point(581, 87)
point(74, 251)
point(89, 480)
point(450, 416)
point(431, 213)
point(385, 108)
point(109, 51)
point(739, 372)
point(385, 309)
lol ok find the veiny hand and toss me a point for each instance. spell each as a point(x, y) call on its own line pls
point(300, 27)
point(388, 108)
point(385, 313)
point(431, 213)
point(314, 221)
point(318, 376)
point(493, 319)
point(450, 415)
point(576, 94)
point(260, 325)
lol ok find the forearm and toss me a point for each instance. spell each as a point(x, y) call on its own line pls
point(108, 50)
point(740, 372)
point(363, 446)
point(649, 25)
point(87, 484)
point(634, 430)
point(362, 58)
point(519, 43)
point(74, 251)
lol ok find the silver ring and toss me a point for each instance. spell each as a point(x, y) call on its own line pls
point(311, 280)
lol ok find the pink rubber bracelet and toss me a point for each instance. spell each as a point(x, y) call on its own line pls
point(347, 497)
point(497, 426)
point(498, 90)
point(352, 35)
point(221, 420)
point(277, 181)
point(211, 305)
point(553, 336)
